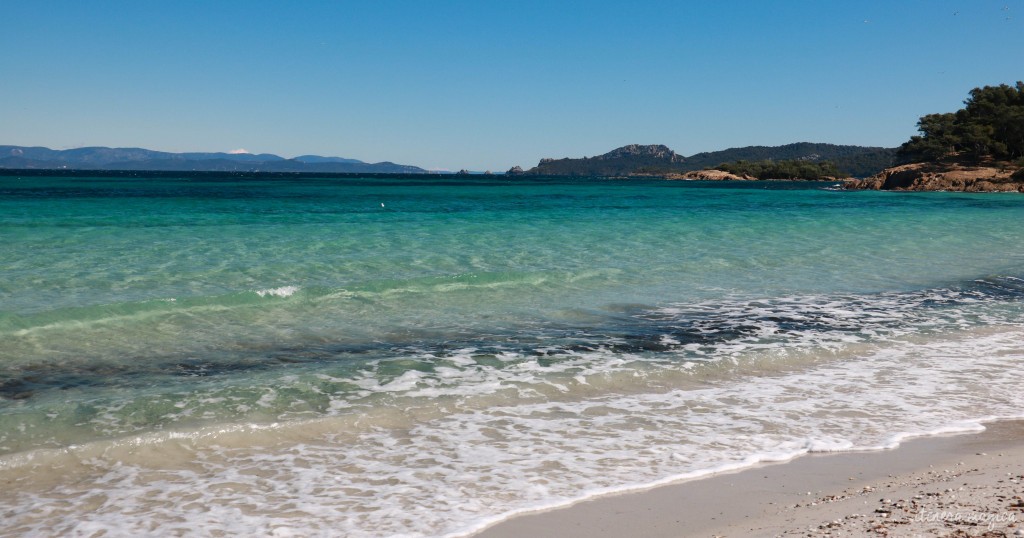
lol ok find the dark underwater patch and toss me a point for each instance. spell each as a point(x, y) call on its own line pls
point(631, 330)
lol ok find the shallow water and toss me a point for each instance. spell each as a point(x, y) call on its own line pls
point(417, 357)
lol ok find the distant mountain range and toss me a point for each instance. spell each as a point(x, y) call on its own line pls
point(858, 161)
point(101, 158)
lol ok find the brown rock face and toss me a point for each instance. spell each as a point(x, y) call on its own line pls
point(709, 175)
point(988, 177)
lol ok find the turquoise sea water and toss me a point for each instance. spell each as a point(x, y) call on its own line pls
point(419, 357)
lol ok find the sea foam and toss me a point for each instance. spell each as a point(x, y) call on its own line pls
point(436, 462)
point(283, 291)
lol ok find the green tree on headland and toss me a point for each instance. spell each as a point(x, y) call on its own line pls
point(990, 125)
point(791, 169)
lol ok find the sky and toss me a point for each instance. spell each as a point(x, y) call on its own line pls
point(487, 85)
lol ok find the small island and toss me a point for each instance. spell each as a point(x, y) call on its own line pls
point(979, 148)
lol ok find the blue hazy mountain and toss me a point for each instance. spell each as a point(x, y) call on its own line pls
point(316, 159)
point(103, 158)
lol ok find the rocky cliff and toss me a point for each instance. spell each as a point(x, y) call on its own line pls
point(655, 151)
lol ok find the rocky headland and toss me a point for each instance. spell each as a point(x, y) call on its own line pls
point(979, 148)
point(945, 176)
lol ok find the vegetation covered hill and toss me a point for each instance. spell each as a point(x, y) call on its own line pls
point(635, 159)
point(857, 161)
point(794, 169)
point(623, 161)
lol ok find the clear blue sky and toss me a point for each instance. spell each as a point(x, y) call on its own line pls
point(487, 84)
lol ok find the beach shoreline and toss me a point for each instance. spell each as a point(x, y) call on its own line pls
point(959, 485)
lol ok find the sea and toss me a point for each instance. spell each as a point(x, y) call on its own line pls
point(426, 356)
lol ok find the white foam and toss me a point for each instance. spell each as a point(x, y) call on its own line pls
point(283, 291)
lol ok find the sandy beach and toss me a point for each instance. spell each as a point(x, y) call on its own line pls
point(958, 485)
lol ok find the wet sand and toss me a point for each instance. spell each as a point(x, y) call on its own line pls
point(960, 485)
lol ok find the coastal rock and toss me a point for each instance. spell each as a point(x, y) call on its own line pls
point(983, 177)
point(709, 175)
point(514, 171)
